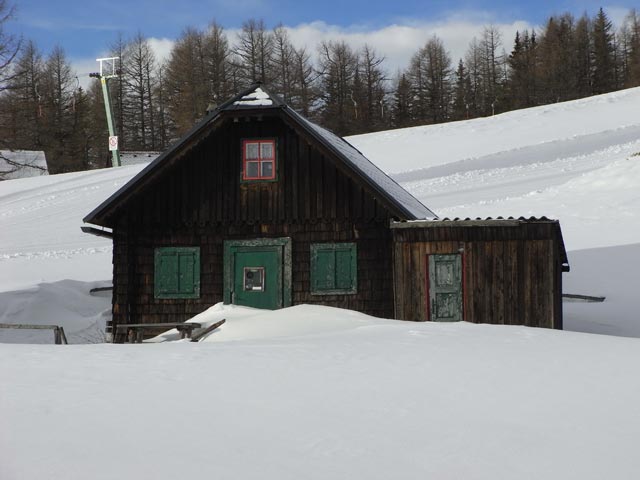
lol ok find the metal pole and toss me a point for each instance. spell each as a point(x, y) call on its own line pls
point(115, 154)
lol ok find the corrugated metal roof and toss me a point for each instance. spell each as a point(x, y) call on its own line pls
point(484, 222)
point(468, 220)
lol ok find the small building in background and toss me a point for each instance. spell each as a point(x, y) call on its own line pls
point(258, 206)
point(22, 164)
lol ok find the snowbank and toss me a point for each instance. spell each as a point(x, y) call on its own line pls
point(374, 399)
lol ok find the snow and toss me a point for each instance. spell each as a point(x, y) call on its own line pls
point(414, 148)
point(257, 97)
point(372, 399)
point(317, 392)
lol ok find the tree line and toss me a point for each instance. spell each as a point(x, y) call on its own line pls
point(347, 90)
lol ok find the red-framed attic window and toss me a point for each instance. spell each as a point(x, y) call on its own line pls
point(259, 159)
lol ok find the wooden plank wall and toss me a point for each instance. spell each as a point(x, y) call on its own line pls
point(205, 188)
point(512, 275)
point(201, 201)
point(138, 305)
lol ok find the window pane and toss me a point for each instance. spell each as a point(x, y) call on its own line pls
point(267, 169)
point(266, 151)
point(252, 170)
point(251, 151)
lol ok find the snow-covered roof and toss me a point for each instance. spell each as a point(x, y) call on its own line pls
point(406, 206)
point(22, 164)
point(366, 168)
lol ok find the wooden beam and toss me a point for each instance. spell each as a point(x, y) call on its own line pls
point(198, 336)
point(97, 232)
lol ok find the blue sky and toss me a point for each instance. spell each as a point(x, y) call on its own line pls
point(85, 28)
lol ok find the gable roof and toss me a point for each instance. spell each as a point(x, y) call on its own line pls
point(257, 97)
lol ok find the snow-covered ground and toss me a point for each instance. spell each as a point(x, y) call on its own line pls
point(315, 392)
point(344, 397)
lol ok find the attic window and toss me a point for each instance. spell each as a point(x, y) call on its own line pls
point(258, 160)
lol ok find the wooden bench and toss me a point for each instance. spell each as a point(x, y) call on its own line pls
point(135, 331)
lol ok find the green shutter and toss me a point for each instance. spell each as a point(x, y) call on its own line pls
point(333, 268)
point(177, 272)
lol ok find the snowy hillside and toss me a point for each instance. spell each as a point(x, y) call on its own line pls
point(315, 392)
point(576, 161)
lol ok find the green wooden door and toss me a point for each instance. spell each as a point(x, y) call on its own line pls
point(257, 277)
point(445, 288)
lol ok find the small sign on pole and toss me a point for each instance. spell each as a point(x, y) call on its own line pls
point(113, 143)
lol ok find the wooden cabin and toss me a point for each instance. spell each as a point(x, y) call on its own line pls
point(258, 206)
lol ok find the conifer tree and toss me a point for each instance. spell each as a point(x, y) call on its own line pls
point(402, 102)
point(603, 73)
point(631, 37)
point(582, 55)
point(373, 94)
point(430, 74)
point(305, 90)
point(338, 65)
point(254, 52)
point(23, 118)
point(462, 93)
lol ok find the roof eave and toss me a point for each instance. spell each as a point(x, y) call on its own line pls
point(400, 210)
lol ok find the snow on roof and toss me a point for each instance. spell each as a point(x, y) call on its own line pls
point(256, 98)
point(369, 170)
point(22, 164)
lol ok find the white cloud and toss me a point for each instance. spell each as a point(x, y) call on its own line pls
point(161, 48)
point(617, 15)
point(396, 42)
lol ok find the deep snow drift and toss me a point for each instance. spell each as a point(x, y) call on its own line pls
point(362, 398)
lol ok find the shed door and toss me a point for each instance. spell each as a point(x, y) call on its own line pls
point(445, 288)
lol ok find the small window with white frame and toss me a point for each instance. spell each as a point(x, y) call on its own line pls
point(258, 159)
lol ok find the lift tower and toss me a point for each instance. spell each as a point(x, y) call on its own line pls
point(108, 69)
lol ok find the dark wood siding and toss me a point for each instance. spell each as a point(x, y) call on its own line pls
point(511, 274)
point(204, 186)
point(201, 201)
point(134, 300)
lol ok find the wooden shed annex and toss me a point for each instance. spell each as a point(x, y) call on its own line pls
point(258, 206)
point(504, 271)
